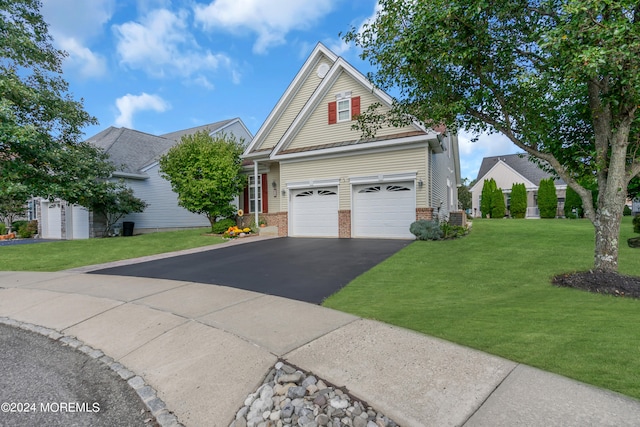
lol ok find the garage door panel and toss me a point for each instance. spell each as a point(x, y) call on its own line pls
point(384, 210)
point(314, 212)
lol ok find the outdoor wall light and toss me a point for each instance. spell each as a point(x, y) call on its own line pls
point(284, 193)
point(420, 183)
point(274, 184)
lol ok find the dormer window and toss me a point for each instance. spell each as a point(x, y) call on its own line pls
point(344, 108)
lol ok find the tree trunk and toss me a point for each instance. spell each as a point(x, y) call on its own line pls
point(607, 226)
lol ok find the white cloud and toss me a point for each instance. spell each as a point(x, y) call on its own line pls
point(88, 63)
point(472, 153)
point(129, 105)
point(162, 45)
point(74, 34)
point(270, 20)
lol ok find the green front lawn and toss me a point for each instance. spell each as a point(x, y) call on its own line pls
point(491, 291)
point(55, 256)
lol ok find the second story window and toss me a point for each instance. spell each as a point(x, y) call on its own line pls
point(344, 109)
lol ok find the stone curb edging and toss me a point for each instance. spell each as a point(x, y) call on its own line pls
point(145, 392)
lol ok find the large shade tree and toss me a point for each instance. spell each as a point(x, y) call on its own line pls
point(559, 78)
point(40, 123)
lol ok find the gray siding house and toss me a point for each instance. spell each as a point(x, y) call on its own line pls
point(136, 157)
point(511, 169)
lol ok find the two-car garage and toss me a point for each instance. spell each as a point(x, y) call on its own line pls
point(378, 210)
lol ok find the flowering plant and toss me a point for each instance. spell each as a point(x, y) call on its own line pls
point(236, 231)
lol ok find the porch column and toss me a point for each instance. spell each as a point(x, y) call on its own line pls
point(256, 205)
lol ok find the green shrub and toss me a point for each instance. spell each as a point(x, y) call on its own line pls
point(3, 228)
point(221, 226)
point(426, 230)
point(452, 231)
point(498, 208)
point(636, 224)
point(626, 211)
point(518, 207)
point(547, 199)
point(486, 198)
point(572, 201)
point(15, 225)
point(27, 230)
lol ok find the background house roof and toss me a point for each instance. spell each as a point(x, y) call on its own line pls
point(177, 135)
point(521, 163)
point(131, 150)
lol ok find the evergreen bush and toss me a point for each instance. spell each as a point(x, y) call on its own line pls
point(426, 230)
point(626, 211)
point(498, 208)
point(486, 200)
point(547, 199)
point(3, 228)
point(223, 225)
point(518, 208)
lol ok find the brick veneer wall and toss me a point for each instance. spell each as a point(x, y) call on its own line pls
point(344, 224)
point(279, 219)
point(424, 213)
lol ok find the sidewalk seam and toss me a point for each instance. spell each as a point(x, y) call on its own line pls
point(490, 394)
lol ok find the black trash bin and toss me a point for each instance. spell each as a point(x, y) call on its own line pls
point(127, 228)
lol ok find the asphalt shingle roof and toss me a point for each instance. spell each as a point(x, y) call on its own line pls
point(131, 150)
point(176, 136)
point(521, 163)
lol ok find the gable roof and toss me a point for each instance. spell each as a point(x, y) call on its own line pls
point(293, 88)
point(521, 163)
point(211, 127)
point(132, 151)
point(337, 66)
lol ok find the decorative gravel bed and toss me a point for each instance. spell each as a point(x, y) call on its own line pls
point(292, 397)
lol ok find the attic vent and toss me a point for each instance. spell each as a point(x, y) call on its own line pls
point(322, 70)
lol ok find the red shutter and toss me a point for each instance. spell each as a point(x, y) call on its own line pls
point(355, 107)
point(245, 199)
point(265, 194)
point(333, 112)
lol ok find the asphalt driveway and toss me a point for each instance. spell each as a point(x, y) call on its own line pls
point(304, 269)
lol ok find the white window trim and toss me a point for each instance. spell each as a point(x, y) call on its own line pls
point(343, 97)
point(257, 188)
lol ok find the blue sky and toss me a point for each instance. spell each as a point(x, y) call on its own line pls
point(159, 66)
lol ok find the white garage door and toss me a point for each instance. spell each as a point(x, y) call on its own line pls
point(384, 210)
point(52, 221)
point(314, 212)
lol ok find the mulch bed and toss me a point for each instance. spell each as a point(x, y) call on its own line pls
point(601, 282)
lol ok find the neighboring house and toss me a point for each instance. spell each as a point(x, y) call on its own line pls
point(136, 157)
point(311, 174)
point(515, 169)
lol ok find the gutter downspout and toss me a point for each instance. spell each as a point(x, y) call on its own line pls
point(255, 192)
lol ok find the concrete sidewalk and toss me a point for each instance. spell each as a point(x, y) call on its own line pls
point(204, 348)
